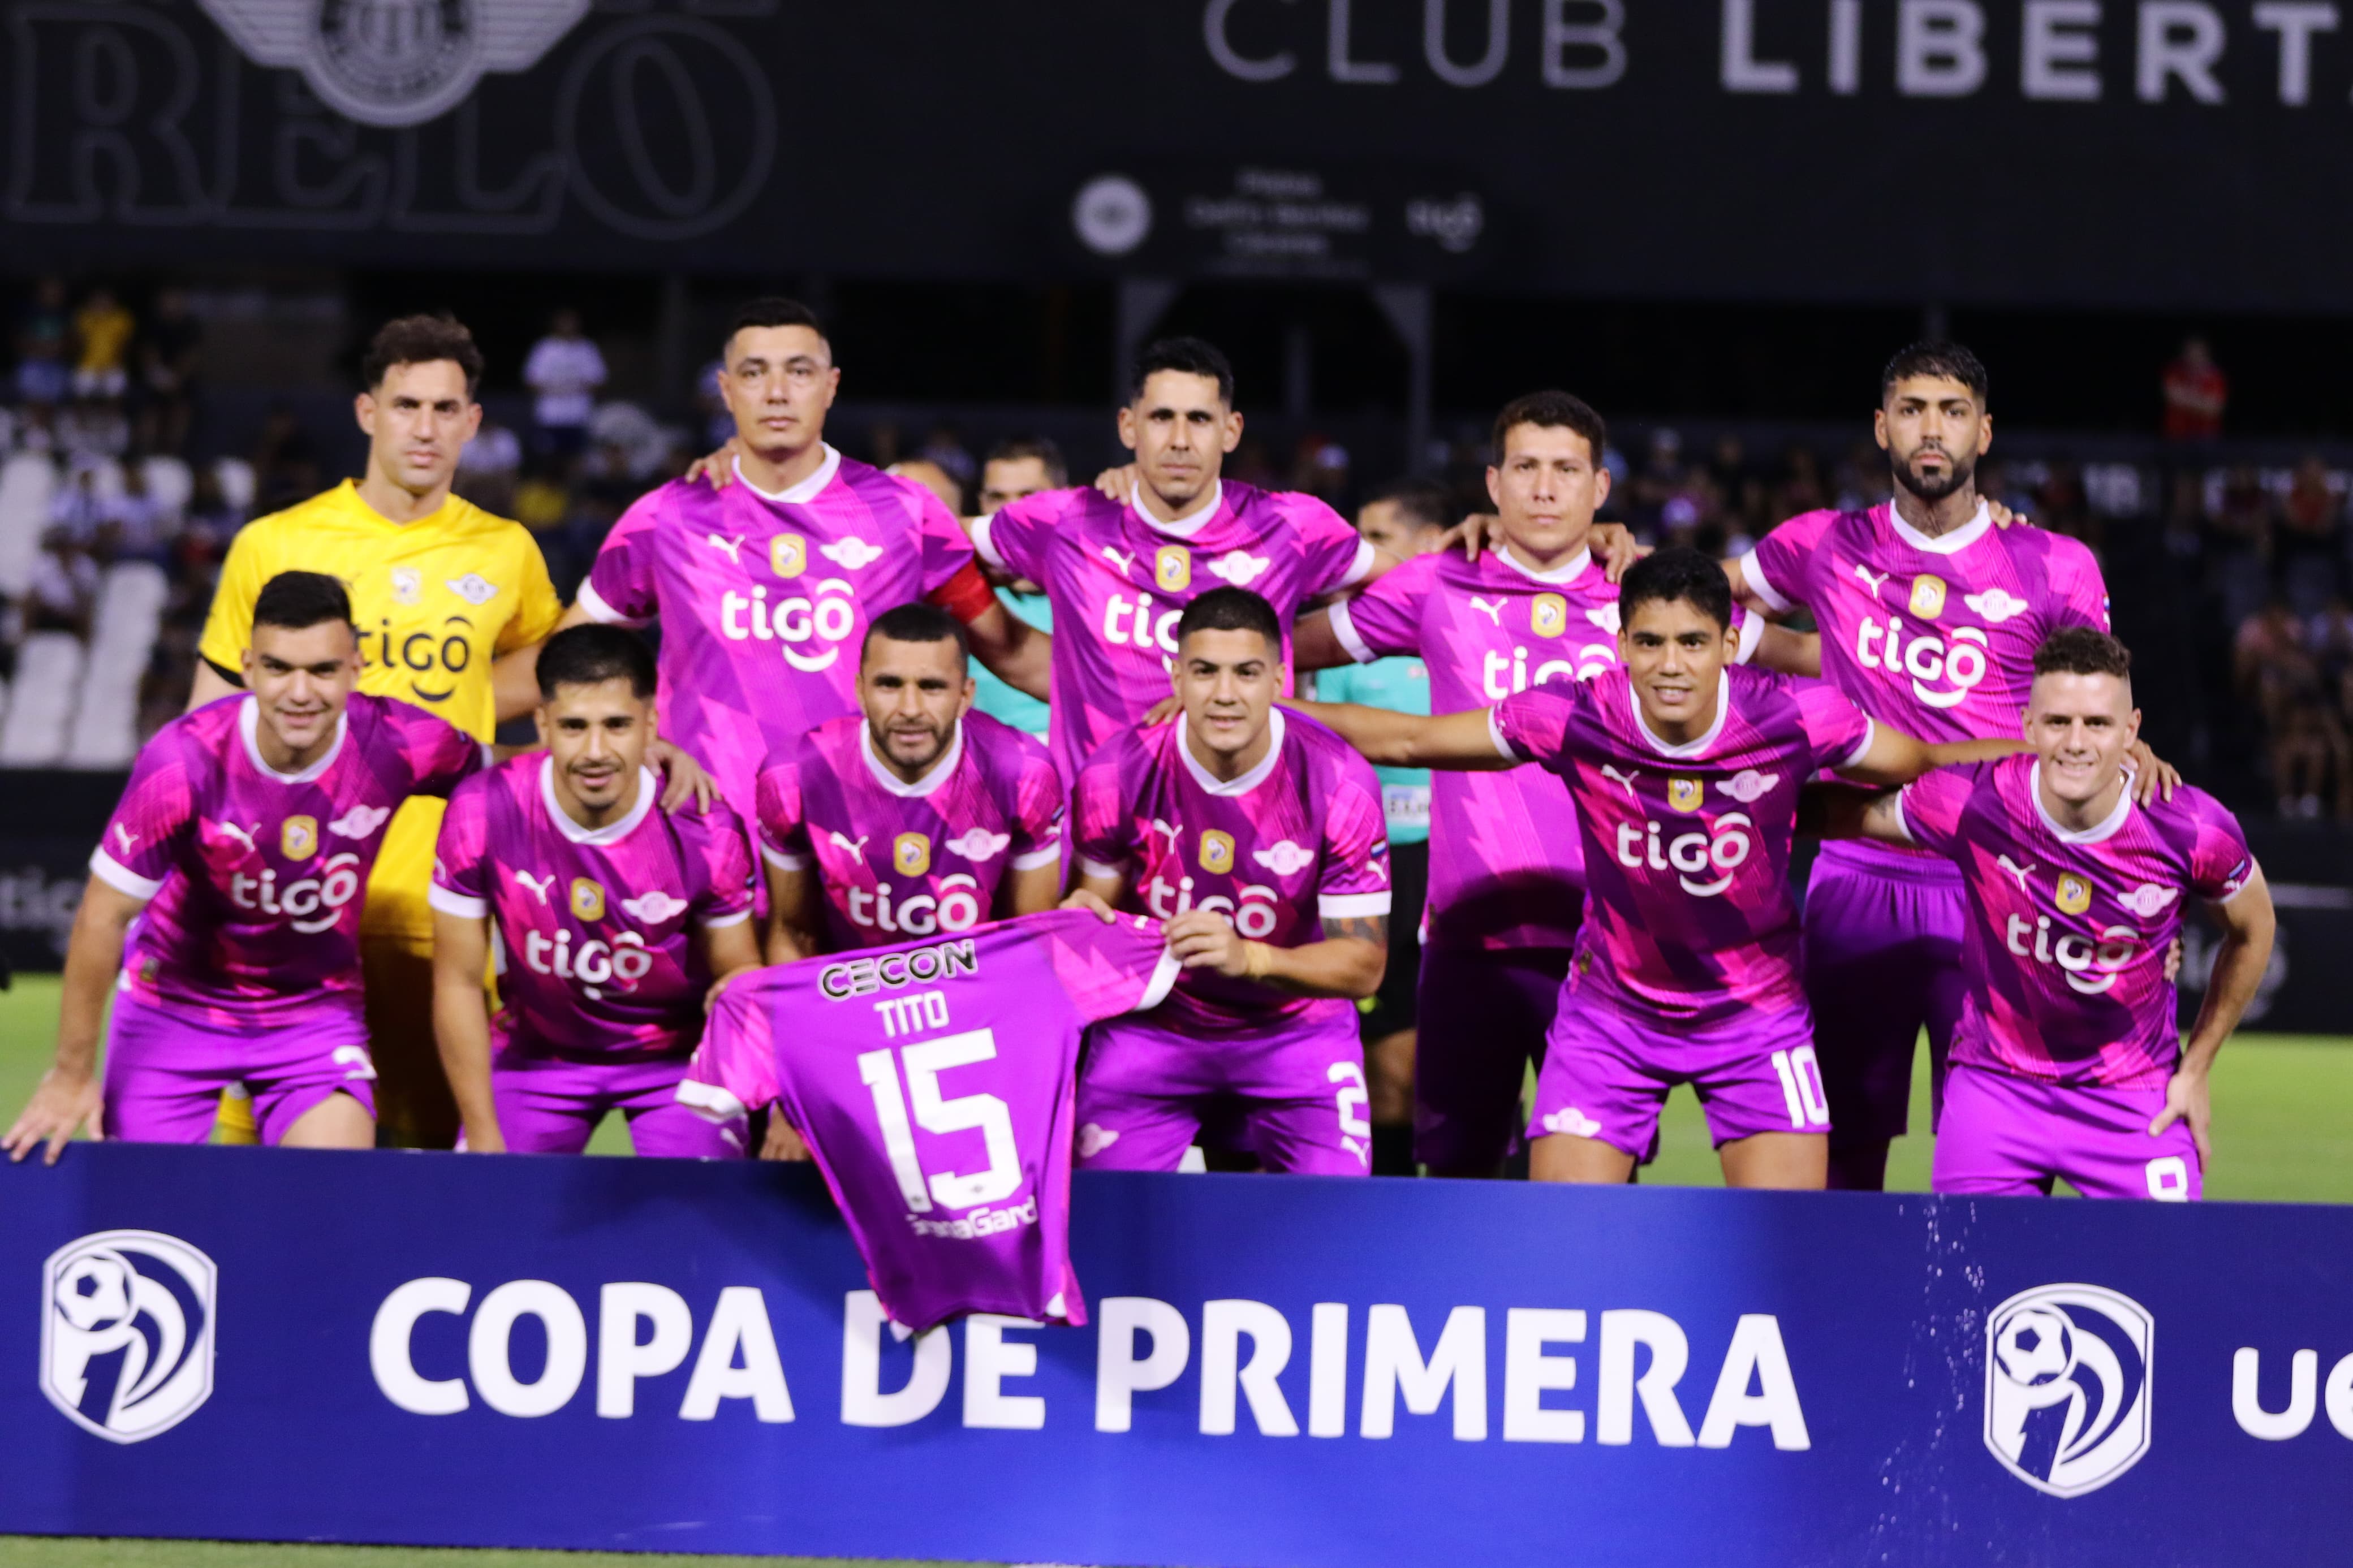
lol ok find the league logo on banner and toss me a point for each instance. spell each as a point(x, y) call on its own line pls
point(2068, 1387)
point(127, 1332)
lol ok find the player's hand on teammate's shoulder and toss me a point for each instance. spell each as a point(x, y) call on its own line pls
point(1614, 546)
point(1080, 899)
point(62, 1105)
point(2151, 774)
point(717, 469)
point(1118, 484)
point(683, 777)
point(2003, 517)
point(782, 1142)
point(1203, 939)
point(1472, 533)
point(1160, 712)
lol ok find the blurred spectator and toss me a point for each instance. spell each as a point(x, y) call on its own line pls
point(1319, 468)
point(1740, 486)
point(634, 442)
point(2195, 392)
point(1801, 489)
point(171, 350)
point(565, 370)
point(44, 333)
point(946, 447)
point(2239, 535)
point(93, 427)
point(542, 499)
point(1251, 464)
point(102, 330)
point(64, 587)
point(1659, 481)
point(2060, 504)
point(488, 467)
point(934, 478)
point(2330, 638)
point(2311, 539)
point(882, 442)
point(1861, 479)
point(718, 424)
point(285, 460)
point(131, 526)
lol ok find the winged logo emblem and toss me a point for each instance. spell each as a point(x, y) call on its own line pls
point(851, 554)
point(976, 843)
point(654, 905)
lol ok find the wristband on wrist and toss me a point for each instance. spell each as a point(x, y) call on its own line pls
point(1258, 959)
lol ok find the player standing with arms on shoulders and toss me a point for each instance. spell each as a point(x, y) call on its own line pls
point(241, 847)
point(1014, 469)
point(1685, 773)
point(2068, 1061)
point(1929, 616)
point(614, 917)
point(1258, 837)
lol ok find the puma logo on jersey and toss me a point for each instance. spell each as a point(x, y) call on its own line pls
point(1119, 558)
point(855, 846)
point(1871, 580)
point(538, 885)
point(1171, 828)
point(726, 544)
point(1626, 779)
point(242, 834)
point(125, 837)
point(2015, 870)
point(1492, 608)
point(360, 821)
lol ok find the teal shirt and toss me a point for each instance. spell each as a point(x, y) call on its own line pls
point(1401, 685)
point(1000, 702)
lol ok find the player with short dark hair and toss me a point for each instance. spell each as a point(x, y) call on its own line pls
point(1015, 470)
point(241, 846)
point(2068, 1060)
point(1258, 837)
point(613, 918)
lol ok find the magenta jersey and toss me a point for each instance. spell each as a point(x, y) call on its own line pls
point(902, 859)
point(1506, 867)
point(2068, 931)
point(253, 876)
point(1688, 915)
point(1297, 840)
point(934, 1083)
point(1118, 581)
point(1934, 636)
point(765, 599)
point(597, 953)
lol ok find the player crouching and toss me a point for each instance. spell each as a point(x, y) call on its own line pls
point(614, 920)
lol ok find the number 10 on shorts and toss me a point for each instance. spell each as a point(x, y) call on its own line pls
point(1802, 1088)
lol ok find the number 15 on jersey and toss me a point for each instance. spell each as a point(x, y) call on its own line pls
point(924, 1062)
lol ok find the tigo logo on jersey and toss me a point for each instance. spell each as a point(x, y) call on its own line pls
point(1549, 614)
point(1683, 795)
point(2068, 1387)
point(2075, 894)
point(298, 838)
point(911, 854)
point(127, 1332)
point(1172, 569)
point(1217, 851)
point(587, 900)
point(788, 555)
point(1928, 596)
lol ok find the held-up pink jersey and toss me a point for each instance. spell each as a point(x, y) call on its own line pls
point(255, 877)
point(1297, 840)
point(2068, 931)
point(598, 959)
point(901, 859)
point(1118, 581)
point(763, 600)
point(1506, 869)
point(1688, 918)
point(934, 1083)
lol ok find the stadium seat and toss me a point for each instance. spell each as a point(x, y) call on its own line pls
point(28, 483)
point(104, 733)
point(236, 479)
point(49, 679)
point(169, 484)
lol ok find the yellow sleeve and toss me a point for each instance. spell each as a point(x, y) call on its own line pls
point(230, 626)
point(537, 609)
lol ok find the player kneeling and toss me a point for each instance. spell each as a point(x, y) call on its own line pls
point(613, 919)
point(1684, 771)
point(1259, 838)
point(2068, 1061)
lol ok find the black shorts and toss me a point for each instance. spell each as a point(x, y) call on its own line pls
point(1391, 1008)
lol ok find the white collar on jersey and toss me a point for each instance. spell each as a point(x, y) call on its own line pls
point(938, 775)
point(248, 728)
point(1189, 524)
point(806, 490)
point(2099, 832)
point(1210, 783)
point(1693, 748)
point(1950, 544)
point(1558, 577)
point(648, 788)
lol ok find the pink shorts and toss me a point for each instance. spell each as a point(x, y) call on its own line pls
point(550, 1105)
point(1295, 1097)
point(1607, 1073)
point(2009, 1136)
point(166, 1068)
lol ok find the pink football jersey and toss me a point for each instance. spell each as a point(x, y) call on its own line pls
point(765, 599)
point(1296, 841)
point(255, 877)
point(1688, 916)
point(1506, 869)
point(2068, 929)
point(597, 956)
point(933, 1084)
point(1118, 581)
point(902, 859)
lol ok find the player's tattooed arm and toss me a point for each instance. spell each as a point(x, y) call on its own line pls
point(1349, 961)
point(461, 1025)
point(68, 1099)
point(2249, 925)
point(1463, 741)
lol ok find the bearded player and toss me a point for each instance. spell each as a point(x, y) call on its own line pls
point(1684, 771)
point(613, 918)
point(1258, 837)
point(239, 849)
point(2068, 1061)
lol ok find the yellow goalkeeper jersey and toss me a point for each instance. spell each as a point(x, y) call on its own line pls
point(436, 601)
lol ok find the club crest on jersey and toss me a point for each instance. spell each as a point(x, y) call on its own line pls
point(2075, 894)
point(298, 838)
point(1549, 614)
point(911, 854)
point(407, 585)
point(1217, 851)
point(474, 588)
point(788, 555)
point(1685, 795)
point(1172, 569)
point(587, 900)
point(1928, 596)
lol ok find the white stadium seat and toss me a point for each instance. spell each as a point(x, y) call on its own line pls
point(49, 679)
point(236, 478)
point(105, 729)
point(28, 481)
point(169, 484)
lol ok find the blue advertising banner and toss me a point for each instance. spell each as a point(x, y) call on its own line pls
point(661, 1356)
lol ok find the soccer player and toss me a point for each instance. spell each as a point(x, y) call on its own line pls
point(765, 585)
point(2068, 1060)
point(239, 847)
point(916, 816)
point(1120, 573)
point(1507, 878)
point(614, 918)
point(1929, 616)
point(451, 603)
point(1684, 771)
point(1258, 837)
point(1013, 471)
